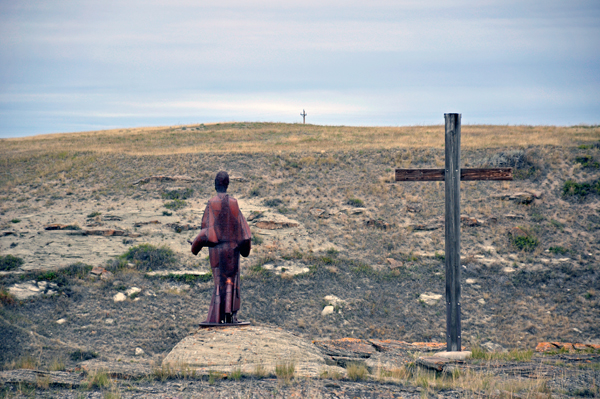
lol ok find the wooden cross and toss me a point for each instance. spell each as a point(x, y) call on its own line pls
point(452, 174)
point(303, 115)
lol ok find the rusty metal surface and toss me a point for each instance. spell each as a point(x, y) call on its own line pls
point(227, 234)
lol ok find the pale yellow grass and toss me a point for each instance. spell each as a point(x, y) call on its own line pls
point(279, 137)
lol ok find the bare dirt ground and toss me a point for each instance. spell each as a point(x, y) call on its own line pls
point(326, 223)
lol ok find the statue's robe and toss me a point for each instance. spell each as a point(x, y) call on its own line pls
point(227, 234)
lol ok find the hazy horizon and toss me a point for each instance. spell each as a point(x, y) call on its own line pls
point(70, 66)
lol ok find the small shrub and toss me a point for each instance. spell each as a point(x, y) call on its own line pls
point(524, 243)
point(285, 371)
point(57, 365)
point(558, 250)
point(167, 213)
point(260, 371)
point(10, 262)
point(236, 375)
point(26, 362)
point(16, 221)
point(98, 379)
point(176, 204)
point(274, 202)
point(189, 278)
point(256, 239)
point(6, 298)
point(94, 214)
point(332, 252)
point(147, 256)
point(572, 188)
point(42, 382)
point(587, 161)
point(355, 202)
point(178, 194)
point(81, 355)
point(255, 192)
point(357, 372)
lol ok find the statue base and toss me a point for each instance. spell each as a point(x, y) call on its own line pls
point(238, 324)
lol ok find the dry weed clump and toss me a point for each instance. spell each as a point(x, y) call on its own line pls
point(285, 371)
point(357, 372)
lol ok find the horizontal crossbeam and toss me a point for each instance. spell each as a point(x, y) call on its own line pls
point(466, 174)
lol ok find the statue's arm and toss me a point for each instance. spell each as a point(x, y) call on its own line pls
point(246, 244)
point(201, 239)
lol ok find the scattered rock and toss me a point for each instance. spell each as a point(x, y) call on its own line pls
point(25, 290)
point(469, 221)
point(133, 290)
point(56, 226)
point(334, 300)
point(111, 218)
point(140, 224)
point(517, 232)
point(32, 377)
point(414, 207)
point(319, 213)
point(470, 281)
point(182, 227)
point(119, 297)
point(428, 226)
point(481, 301)
point(139, 352)
point(109, 321)
point(511, 216)
point(394, 264)
point(287, 267)
point(430, 298)
point(272, 225)
point(61, 321)
point(378, 223)
point(520, 197)
point(211, 349)
point(162, 179)
point(254, 215)
point(98, 271)
point(555, 346)
point(327, 310)
point(493, 347)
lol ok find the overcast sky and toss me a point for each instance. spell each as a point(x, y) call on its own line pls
point(86, 65)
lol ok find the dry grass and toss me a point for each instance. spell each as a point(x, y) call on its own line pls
point(279, 137)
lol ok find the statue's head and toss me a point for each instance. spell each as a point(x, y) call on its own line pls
point(222, 182)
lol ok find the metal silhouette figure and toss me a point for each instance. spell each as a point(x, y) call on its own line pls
point(226, 233)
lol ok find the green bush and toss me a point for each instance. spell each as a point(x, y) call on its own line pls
point(178, 194)
point(149, 257)
point(571, 188)
point(176, 204)
point(558, 250)
point(355, 202)
point(587, 161)
point(273, 202)
point(80, 355)
point(94, 214)
point(10, 262)
point(525, 243)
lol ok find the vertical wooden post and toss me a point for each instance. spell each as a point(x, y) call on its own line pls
point(452, 183)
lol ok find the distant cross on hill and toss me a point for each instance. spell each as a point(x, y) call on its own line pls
point(452, 176)
point(303, 114)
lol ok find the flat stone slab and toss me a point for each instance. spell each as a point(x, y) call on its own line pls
point(249, 349)
point(456, 355)
point(32, 377)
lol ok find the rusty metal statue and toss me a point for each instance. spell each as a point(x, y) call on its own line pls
point(227, 234)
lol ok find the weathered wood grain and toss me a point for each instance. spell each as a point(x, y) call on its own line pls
point(466, 174)
point(452, 233)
